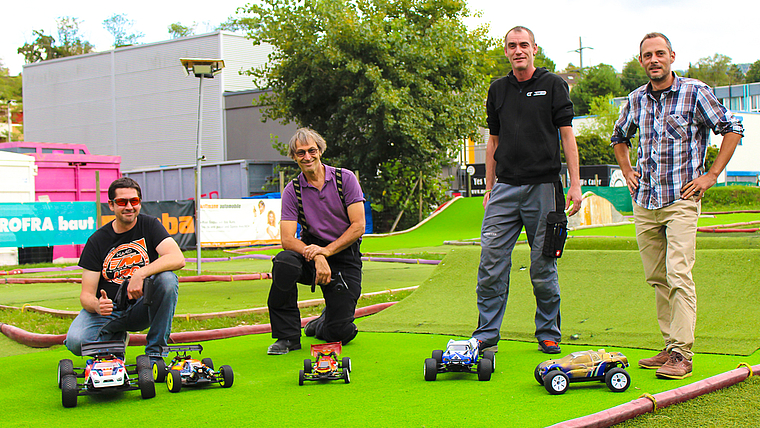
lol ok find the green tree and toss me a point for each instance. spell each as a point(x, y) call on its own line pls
point(716, 70)
point(41, 49)
point(753, 74)
point(633, 75)
point(497, 65)
point(177, 30)
point(593, 138)
point(44, 47)
point(119, 27)
point(392, 85)
point(70, 41)
point(596, 81)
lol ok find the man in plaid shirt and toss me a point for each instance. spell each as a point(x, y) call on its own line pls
point(674, 116)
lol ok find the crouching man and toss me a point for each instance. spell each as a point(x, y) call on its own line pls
point(328, 204)
point(133, 246)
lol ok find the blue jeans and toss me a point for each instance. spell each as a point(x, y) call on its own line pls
point(89, 327)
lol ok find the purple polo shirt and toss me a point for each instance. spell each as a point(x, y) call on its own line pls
point(326, 216)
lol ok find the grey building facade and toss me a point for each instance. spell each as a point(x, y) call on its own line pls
point(137, 102)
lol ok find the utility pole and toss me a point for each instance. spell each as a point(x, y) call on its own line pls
point(580, 50)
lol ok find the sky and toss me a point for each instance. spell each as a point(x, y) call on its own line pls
point(611, 28)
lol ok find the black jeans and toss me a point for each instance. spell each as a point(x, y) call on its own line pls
point(337, 322)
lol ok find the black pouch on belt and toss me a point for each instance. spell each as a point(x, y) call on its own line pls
point(556, 234)
point(556, 226)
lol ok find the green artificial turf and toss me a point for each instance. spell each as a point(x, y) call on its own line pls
point(216, 296)
point(386, 390)
point(605, 300)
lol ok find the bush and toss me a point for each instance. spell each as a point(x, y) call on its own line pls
point(727, 198)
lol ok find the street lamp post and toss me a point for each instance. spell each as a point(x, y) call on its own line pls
point(200, 68)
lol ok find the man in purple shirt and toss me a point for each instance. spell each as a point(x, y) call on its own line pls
point(673, 116)
point(329, 205)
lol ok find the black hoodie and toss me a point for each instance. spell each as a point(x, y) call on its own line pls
point(526, 116)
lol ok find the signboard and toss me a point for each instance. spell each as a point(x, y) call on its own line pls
point(476, 174)
point(42, 224)
point(178, 217)
point(240, 222)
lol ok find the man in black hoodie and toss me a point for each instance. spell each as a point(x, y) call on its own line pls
point(529, 115)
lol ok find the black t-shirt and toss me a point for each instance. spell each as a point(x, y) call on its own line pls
point(117, 255)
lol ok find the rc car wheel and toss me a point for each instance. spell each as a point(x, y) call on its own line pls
point(346, 363)
point(301, 377)
point(485, 368)
point(438, 356)
point(69, 390)
point(143, 362)
point(347, 376)
point(65, 367)
point(159, 371)
point(208, 363)
point(145, 382)
point(174, 381)
point(556, 382)
point(307, 366)
point(431, 369)
point(228, 377)
point(490, 355)
point(537, 375)
point(617, 379)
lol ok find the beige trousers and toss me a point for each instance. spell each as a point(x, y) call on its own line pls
point(667, 240)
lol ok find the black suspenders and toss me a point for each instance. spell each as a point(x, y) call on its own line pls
point(297, 188)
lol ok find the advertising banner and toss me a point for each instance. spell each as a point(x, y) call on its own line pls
point(240, 222)
point(178, 217)
point(42, 224)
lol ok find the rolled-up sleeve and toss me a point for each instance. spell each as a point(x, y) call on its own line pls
point(625, 127)
point(715, 115)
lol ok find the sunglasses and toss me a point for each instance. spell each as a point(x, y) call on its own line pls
point(312, 152)
point(122, 202)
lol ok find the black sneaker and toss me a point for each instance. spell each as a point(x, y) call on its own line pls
point(283, 346)
point(488, 346)
point(310, 329)
point(549, 347)
point(351, 337)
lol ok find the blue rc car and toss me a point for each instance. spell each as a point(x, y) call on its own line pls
point(461, 356)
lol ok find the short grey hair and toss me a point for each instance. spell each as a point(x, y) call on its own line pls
point(304, 135)
point(654, 36)
point(521, 29)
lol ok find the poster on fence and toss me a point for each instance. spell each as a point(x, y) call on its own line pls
point(240, 222)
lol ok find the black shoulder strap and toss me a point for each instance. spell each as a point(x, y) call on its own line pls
point(339, 183)
point(301, 215)
point(297, 188)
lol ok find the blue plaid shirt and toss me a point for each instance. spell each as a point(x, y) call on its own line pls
point(673, 136)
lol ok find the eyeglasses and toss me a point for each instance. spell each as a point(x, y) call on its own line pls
point(312, 152)
point(122, 202)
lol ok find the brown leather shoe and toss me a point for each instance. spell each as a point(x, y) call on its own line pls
point(677, 367)
point(655, 362)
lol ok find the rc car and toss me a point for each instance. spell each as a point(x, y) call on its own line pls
point(105, 371)
point(326, 366)
point(607, 367)
point(183, 370)
point(461, 356)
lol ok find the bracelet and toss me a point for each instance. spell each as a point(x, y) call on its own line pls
point(488, 191)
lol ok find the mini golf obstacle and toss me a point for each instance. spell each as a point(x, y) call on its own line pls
point(37, 340)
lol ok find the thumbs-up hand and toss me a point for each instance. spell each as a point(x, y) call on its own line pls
point(105, 305)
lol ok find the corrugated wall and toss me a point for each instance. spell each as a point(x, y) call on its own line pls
point(137, 102)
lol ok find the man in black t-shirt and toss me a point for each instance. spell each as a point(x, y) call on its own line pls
point(133, 246)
